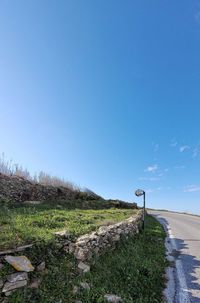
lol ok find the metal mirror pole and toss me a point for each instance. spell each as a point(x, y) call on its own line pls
point(139, 193)
point(144, 210)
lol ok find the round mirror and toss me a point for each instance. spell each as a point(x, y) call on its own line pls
point(139, 192)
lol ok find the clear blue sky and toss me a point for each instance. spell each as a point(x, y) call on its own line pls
point(105, 94)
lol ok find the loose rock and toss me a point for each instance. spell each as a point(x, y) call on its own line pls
point(62, 234)
point(84, 267)
point(113, 298)
point(20, 263)
point(8, 293)
point(17, 249)
point(8, 286)
point(85, 285)
point(41, 266)
point(17, 277)
point(35, 283)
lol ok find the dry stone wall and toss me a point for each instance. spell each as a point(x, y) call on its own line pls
point(85, 248)
point(89, 246)
point(19, 189)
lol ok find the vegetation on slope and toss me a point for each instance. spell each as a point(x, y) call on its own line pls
point(133, 271)
point(26, 223)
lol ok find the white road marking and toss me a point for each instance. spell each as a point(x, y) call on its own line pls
point(182, 293)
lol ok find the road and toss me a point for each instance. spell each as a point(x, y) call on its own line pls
point(183, 245)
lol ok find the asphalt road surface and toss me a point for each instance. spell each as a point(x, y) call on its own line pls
point(183, 245)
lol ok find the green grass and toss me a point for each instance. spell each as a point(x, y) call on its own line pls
point(24, 224)
point(133, 271)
